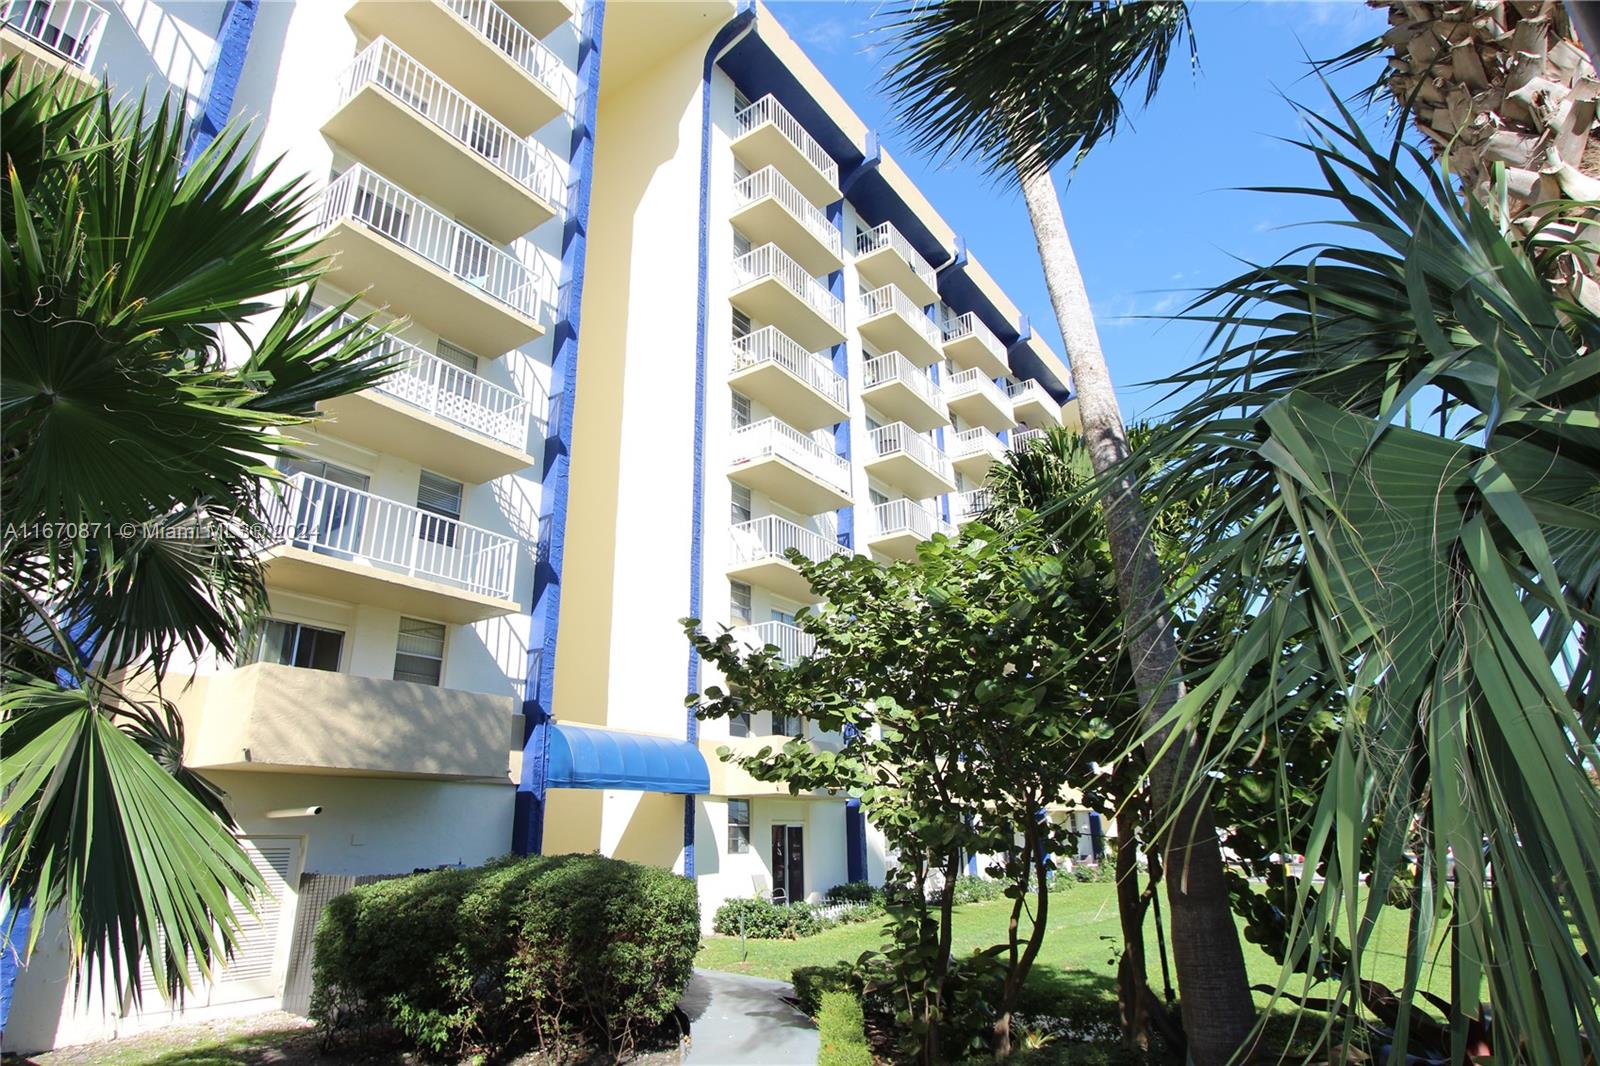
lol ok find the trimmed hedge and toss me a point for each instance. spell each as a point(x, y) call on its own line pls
point(855, 892)
point(526, 952)
point(842, 1031)
point(969, 889)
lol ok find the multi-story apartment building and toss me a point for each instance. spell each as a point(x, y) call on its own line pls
point(668, 309)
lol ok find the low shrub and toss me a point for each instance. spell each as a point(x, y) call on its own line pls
point(811, 982)
point(850, 913)
point(524, 952)
point(1094, 874)
point(971, 889)
point(759, 918)
point(854, 892)
point(842, 1031)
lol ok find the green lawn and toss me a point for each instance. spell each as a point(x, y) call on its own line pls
point(1079, 948)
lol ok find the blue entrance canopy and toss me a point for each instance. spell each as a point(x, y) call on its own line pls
point(601, 758)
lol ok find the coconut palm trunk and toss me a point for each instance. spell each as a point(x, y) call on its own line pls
point(1218, 1013)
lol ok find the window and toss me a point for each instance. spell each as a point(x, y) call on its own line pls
point(739, 725)
point(741, 410)
point(438, 496)
point(785, 725)
point(740, 100)
point(741, 505)
point(876, 498)
point(741, 245)
point(457, 357)
point(739, 602)
point(741, 324)
point(419, 654)
point(738, 827)
point(293, 644)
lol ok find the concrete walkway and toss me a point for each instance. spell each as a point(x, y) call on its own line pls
point(744, 1021)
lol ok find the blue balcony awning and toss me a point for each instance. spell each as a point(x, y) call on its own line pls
point(602, 758)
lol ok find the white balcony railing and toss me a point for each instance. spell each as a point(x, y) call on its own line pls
point(383, 207)
point(972, 441)
point(909, 516)
point(69, 28)
point(898, 438)
point(768, 182)
point(770, 536)
point(773, 438)
point(792, 642)
point(970, 504)
point(962, 326)
point(886, 236)
point(1028, 389)
point(889, 299)
point(771, 345)
point(528, 163)
point(1021, 437)
point(769, 261)
point(525, 50)
point(335, 520)
point(767, 109)
point(892, 366)
point(963, 382)
point(440, 388)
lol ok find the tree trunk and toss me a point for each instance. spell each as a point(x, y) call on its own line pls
point(1131, 978)
point(1504, 84)
point(1213, 987)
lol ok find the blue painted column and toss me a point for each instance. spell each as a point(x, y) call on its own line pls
point(741, 20)
point(222, 80)
point(527, 828)
point(855, 841)
point(841, 364)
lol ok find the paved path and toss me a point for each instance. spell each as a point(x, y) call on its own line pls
point(744, 1021)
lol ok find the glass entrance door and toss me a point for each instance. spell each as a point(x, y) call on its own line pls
point(788, 864)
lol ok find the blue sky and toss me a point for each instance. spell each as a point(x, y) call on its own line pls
point(1152, 214)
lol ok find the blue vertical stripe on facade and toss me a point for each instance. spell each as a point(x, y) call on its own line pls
point(222, 80)
point(846, 533)
point(527, 830)
point(741, 20)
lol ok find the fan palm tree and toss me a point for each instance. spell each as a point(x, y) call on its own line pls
point(1405, 436)
point(133, 473)
point(1021, 88)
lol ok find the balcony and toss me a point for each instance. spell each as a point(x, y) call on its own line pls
point(438, 416)
point(479, 48)
point(774, 458)
point(969, 506)
point(756, 555)
point(340, 543)
point(1022, 437)
point(891, 321)
point(792, 642)
point(798, 386)
point(52, 35)
point(979, 401)
point(275, 718)
point(904, 458)
point(969, 344)
point(539, 17)
point(895, 386)
point(1033, 406)
point(402, 119)
point(900, 525)
point(884, 257)
point(764, 134)
point(974, 451)
point(441, 274)
point(772, 288)
point(768, 209)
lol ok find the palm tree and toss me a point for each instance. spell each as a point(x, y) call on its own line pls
point(133, 475)
point(1405, 435)
point(1020, 88)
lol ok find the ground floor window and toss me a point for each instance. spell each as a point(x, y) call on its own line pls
point(738, 826)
